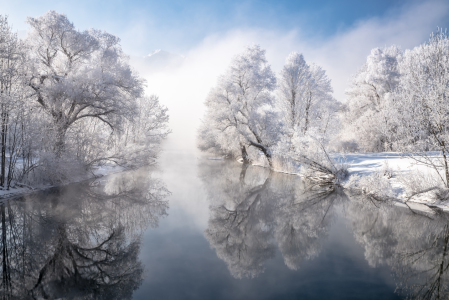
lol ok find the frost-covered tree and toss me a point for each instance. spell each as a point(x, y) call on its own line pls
point(82, 105)
point(242, 111)
point(16, 114)
point(239, 106)
point(69, 101)
point(308, 109)
point(305, 97)
point(422, 103)
point(225, 142)
point(367, 118)
point(77, 75)
point(319, 102)
point(140, 140)
point(293, 81)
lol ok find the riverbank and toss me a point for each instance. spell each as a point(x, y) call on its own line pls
point(386, 174)
point(20, 189)
point(397, 170)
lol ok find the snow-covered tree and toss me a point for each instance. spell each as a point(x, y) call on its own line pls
point(367, 118)
point(293, 82)
point(308, 111)
point(319, 103)
point(140, 140)
point(239, 107)
point(76, 75)
point(242, 111)
point(212, 138)
point(422, 103)
point(16, 114)
point(305, 97)
point(78, 104)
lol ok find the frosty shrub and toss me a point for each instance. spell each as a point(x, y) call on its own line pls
point(51, 169)
point(416, 182)
point(316, 162)
point(375, 184)
point(386, 170)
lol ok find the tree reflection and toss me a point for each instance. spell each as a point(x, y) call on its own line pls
point(303, 221)
point(107, 270)
point(238, 231)
point(413, 243)
point(81, 241)
point(253, 210)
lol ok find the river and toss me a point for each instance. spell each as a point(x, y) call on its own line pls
point(194, 228)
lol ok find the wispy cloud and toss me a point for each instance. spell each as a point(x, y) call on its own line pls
point(407, 27)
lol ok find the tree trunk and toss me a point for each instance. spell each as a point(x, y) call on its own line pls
point(446, 169)
point(60, 141)
point(259, 145)
point(245, 156)
point(265, 151)
point(268, 156)
point(6, 278)
point(3, 141)
point(13, 155)
point(308, 104)
point(243, 174)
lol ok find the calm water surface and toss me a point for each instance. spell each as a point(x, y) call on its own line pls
point(203, 229)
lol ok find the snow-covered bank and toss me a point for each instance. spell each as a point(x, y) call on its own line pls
point(392, 167)
point(21, 190)
point(385, 174)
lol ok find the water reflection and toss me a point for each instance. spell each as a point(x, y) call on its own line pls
point(254, 212)
point(413, 243)
point(81, 241)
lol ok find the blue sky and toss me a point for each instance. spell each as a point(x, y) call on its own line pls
point(179, 25)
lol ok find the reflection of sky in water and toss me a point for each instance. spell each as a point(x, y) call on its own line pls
point(180, 264)
point(230, 233)
point(189, 269)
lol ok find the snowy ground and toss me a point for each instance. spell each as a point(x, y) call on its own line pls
point(364, 164)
